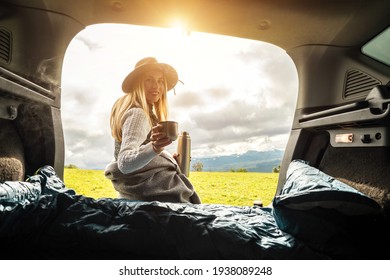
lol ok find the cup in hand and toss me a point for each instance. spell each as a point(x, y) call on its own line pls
point(171, 129)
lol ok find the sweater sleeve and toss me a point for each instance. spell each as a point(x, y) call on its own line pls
point(132, 154)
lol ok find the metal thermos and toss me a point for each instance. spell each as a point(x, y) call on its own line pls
point(184, 151)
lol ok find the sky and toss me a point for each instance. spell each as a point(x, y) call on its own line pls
point(236, 94)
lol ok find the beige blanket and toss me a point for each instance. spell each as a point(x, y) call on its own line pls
point(160, 180)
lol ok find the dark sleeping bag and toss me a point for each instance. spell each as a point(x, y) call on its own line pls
point(52, 222)
point(330, 216)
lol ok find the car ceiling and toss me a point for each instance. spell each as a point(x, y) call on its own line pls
point(285, 23)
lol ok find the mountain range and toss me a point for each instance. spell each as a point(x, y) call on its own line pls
point(252, 161)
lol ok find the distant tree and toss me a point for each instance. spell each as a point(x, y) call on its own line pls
point(71, 166)
point(242, 170)
point(197, 166)
point(238, 170)
point(276, 169)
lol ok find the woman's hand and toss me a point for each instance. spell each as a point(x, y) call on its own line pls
point(159, 139)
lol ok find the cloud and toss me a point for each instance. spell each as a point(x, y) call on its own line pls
point(187, 100)
point(88, 42)
point(239, 120)
point(275, 67)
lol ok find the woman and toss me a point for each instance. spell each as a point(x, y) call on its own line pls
point(142, 169)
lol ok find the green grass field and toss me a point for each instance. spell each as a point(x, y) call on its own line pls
point(229, 188)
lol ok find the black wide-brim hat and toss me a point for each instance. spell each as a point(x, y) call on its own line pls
point(147, 64)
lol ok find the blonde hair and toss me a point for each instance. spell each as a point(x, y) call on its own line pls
point(136, 99)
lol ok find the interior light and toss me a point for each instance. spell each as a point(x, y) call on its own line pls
point(344, 138)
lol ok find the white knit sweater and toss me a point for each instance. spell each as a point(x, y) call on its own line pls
point(132, 154)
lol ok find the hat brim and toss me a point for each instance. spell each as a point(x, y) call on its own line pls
point(169, 72)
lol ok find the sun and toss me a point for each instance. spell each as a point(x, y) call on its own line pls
point(180, 28)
